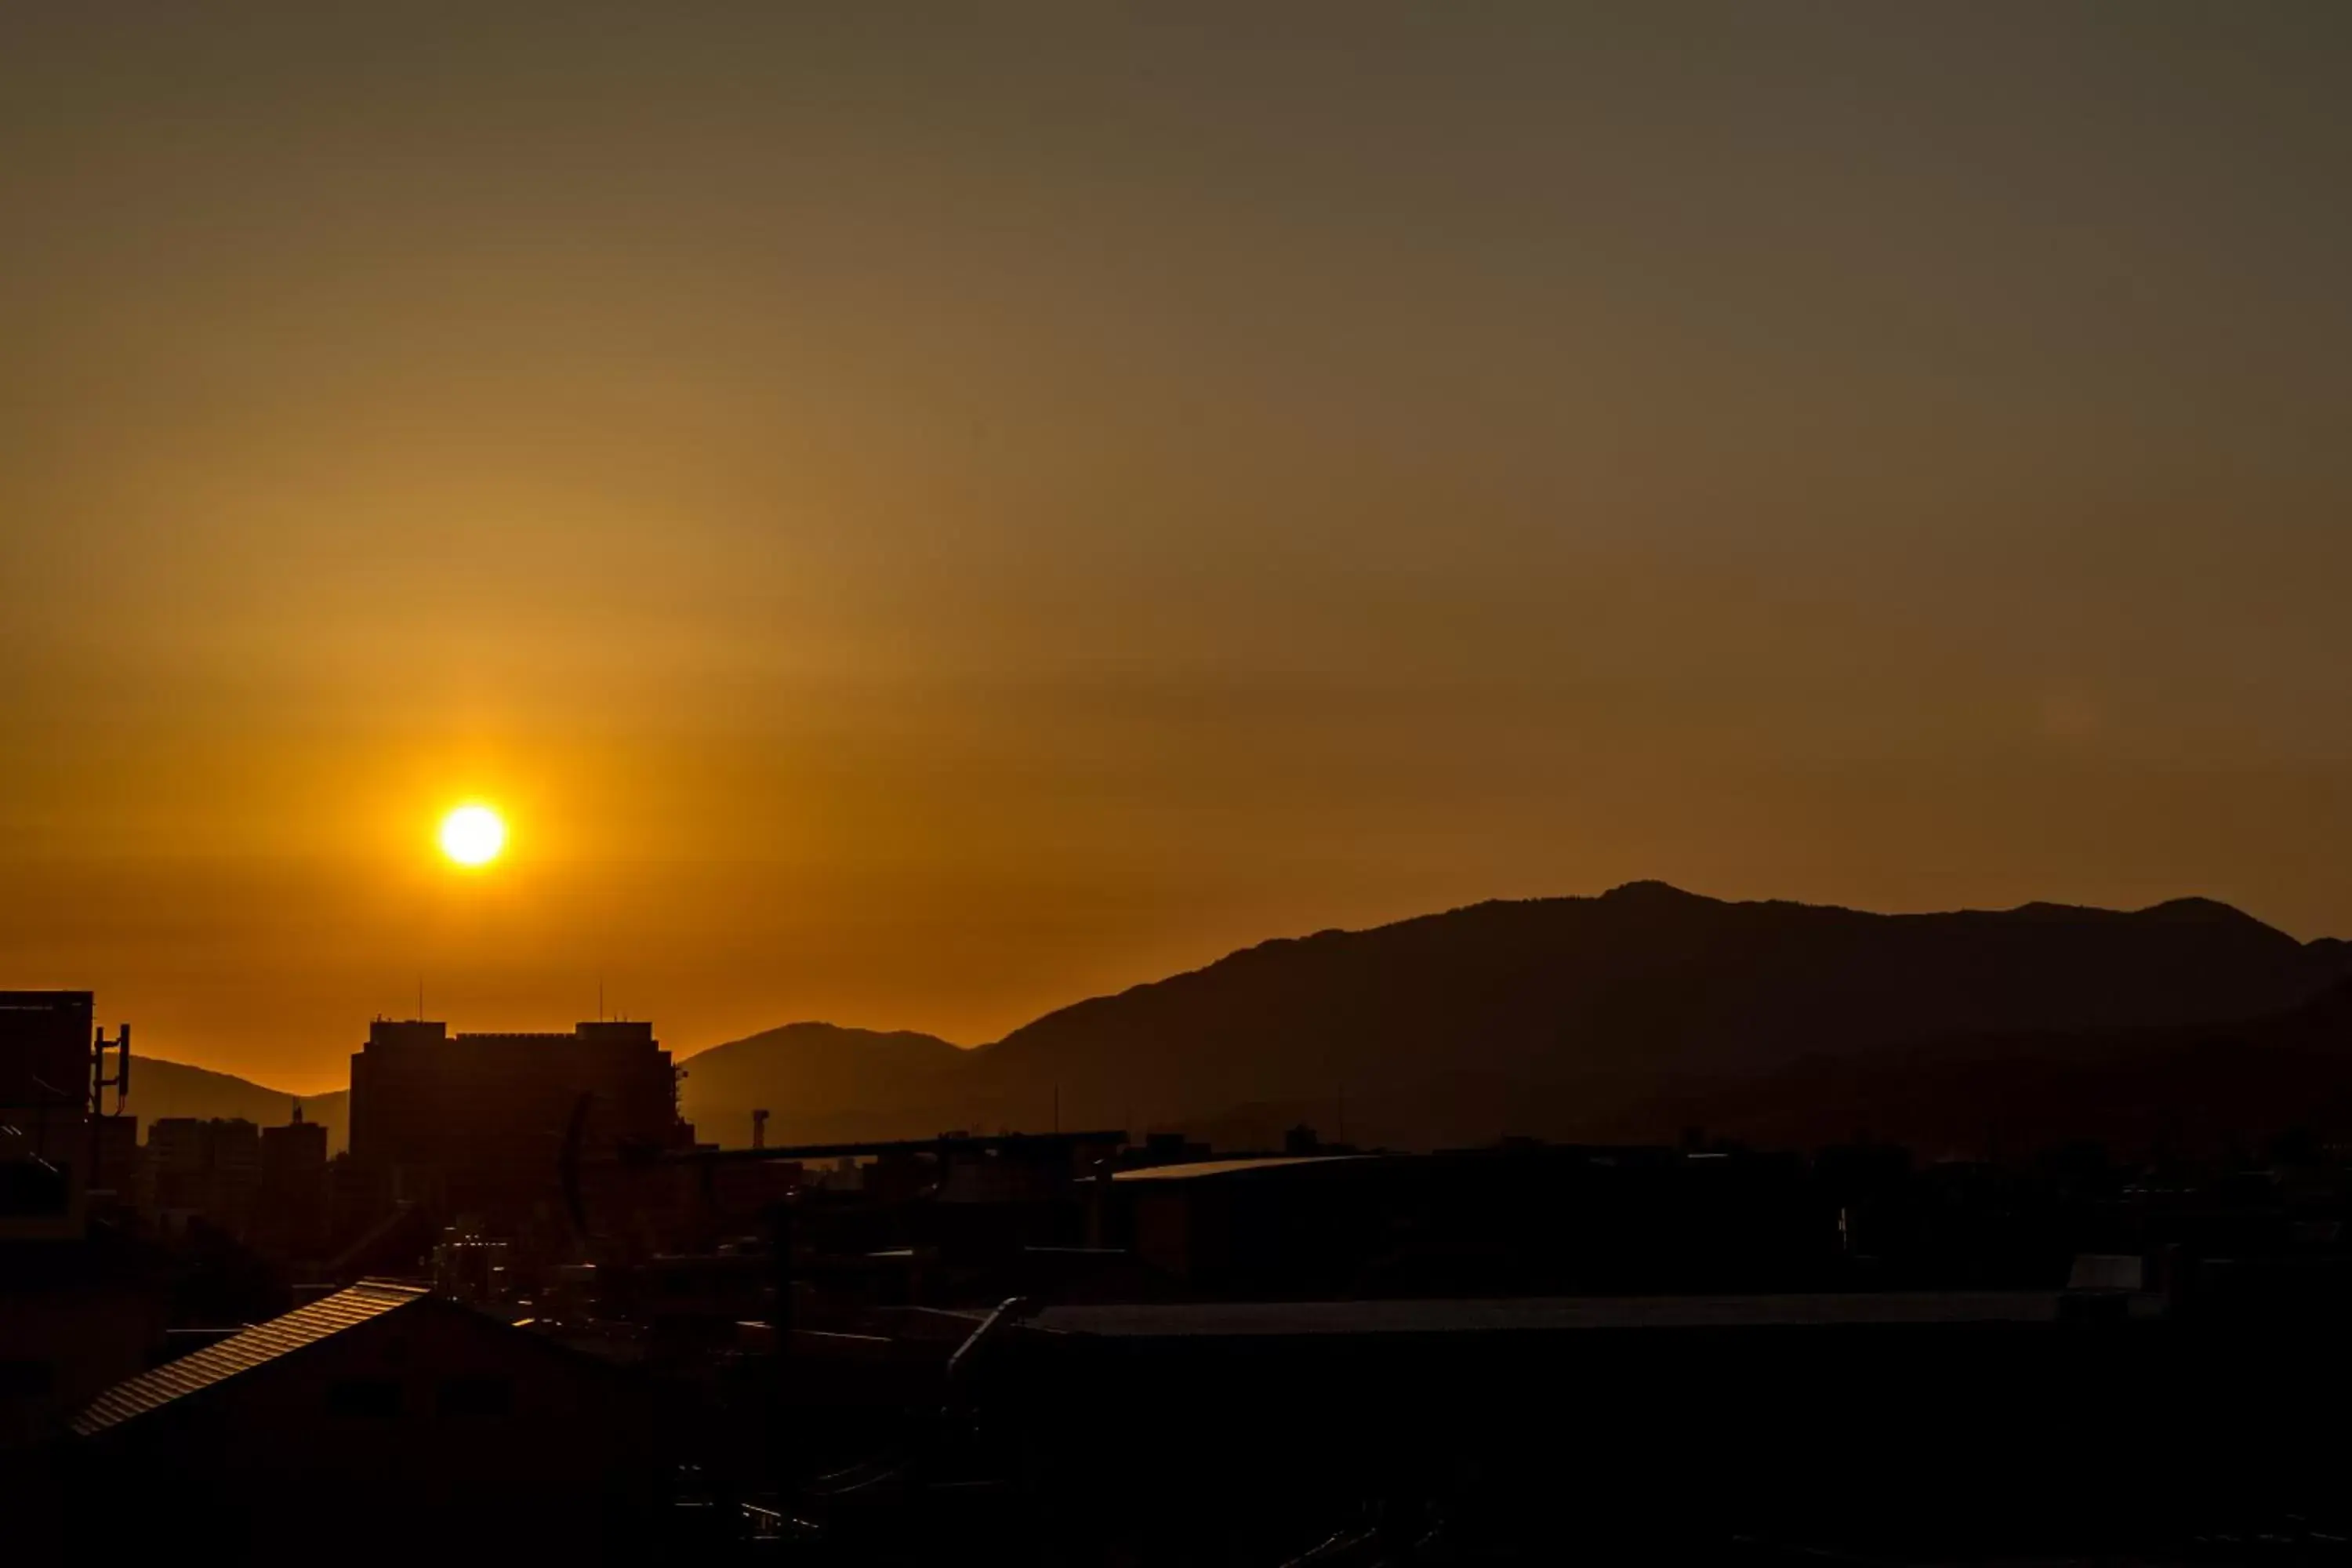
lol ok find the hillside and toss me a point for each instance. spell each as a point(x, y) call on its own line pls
point(818, 1082)
point(161, 1089)
point(1556, 1017)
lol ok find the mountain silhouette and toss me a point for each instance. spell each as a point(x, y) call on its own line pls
point(160, 1088)
point(1556, 1017)
point(818, 1082)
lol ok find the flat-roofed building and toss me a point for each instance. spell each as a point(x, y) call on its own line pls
point(478, 1122)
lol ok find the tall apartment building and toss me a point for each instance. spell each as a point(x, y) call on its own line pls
point(478, 1122)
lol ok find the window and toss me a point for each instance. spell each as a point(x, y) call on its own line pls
point(364, 1398)
point(477, 1396)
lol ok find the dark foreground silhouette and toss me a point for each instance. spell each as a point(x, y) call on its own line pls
point(1967, 1237)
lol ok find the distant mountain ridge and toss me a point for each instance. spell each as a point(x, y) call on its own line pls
point(160, 1088)
point(1627, 1015)
point(819, 1082)
point(1554, 1016)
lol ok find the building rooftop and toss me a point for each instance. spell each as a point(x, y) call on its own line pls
point(1199, 1169)
point(1547, 1315)
point(241, 1353)
point(435, 1032)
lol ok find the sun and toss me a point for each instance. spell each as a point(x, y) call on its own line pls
point(473, 834)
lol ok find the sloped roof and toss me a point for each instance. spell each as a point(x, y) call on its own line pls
point(1197, 1169)
point(256, 1346)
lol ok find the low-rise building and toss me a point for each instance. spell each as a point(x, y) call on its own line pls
point(206, 1168)
point(379, 1423)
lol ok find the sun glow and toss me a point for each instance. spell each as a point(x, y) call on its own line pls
point(473, 834)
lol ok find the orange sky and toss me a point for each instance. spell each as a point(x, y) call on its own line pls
point(920, 518)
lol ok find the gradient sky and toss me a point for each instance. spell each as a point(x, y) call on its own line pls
point(921, 513)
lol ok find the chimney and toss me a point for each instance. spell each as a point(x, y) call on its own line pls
point(759, 1130)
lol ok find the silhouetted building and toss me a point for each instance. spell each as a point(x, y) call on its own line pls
point(478, 1122)
point(74, 1317)
point(1508, 1220)
point(79, 1304)
point(235, 1174)
point(206, 1169)
point(393, 1425)
point(175, 1164)
point(116, 1160)
point(1204, 1222)
point(45, 1048)
point(289, 1211)
point(471, 1267)
point(45, 1085)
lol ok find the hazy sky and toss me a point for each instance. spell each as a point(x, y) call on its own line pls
point(920, 513)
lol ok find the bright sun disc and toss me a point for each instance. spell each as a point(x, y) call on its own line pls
point(473, 835)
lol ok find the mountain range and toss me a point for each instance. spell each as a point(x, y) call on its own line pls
point(1560, 1017)
point(161, 1089)
point(1632, 1014)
